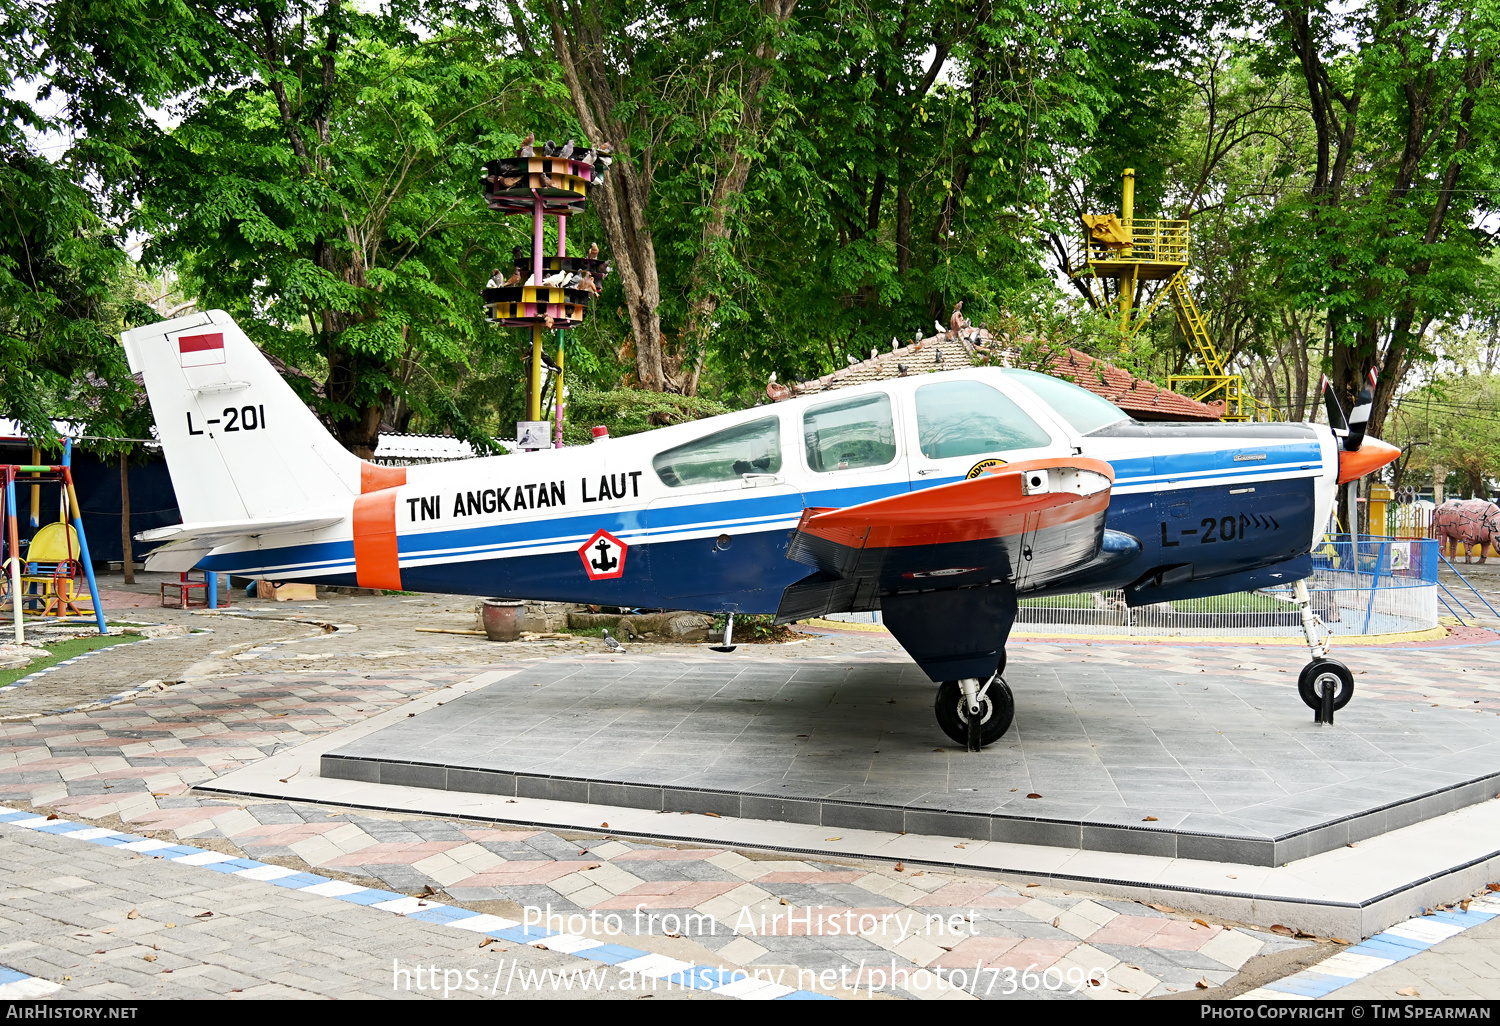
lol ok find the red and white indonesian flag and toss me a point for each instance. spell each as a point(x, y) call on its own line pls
point(200, 350)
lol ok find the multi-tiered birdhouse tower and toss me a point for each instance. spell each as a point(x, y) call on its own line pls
point(546, 293)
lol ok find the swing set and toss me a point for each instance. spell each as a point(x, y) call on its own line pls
point(44, 574)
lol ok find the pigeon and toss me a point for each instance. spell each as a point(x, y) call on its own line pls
point(511, 183)
point(527, 149)
point(941, 330)
point(895, 343)
point(514, 279)
point(518, 254)
point(605, 149)
point(873, 354)
point(957, 322)
point(548, 322)
point(777, 392)
point(594, 251)
point(495, 279)
point(555, 280)
point(589, 156)
point(851, 359)
point(938, 359)
point(610, 643)
point(549, 148)
point(566, 152)
point(587, 284)
point(901, 370)
point(547, 182)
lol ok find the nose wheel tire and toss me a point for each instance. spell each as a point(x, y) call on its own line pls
point(1321, 674)
point(997, 709)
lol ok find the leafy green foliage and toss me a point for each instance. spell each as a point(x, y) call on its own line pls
point(627, 411)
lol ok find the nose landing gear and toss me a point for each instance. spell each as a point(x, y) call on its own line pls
point(1325, 684)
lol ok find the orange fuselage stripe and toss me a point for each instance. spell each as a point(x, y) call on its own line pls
point(377, 563)
point(373, 477)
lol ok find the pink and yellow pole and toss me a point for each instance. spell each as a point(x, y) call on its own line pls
point(13, 542)
point(534, 408)
point(557, 388)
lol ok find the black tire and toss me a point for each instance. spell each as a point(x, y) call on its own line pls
point(998, 710)
point(1322, 670)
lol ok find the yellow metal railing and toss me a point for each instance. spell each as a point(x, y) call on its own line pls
point(1157, 249)
point(1152, 241)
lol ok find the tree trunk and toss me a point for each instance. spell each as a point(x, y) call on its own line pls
point(125, 548)
point(622, 200)
point(903, 229)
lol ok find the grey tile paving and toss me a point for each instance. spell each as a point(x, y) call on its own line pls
point(1224, 756)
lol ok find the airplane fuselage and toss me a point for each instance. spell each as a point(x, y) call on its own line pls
point(709, 528)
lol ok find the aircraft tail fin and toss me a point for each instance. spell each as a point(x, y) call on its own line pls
point(240, 444)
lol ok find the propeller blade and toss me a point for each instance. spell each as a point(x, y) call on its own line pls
point(1361, 415)
point(1336, 418)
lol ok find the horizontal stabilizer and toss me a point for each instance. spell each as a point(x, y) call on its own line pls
point(183, 545)
point(219, 531)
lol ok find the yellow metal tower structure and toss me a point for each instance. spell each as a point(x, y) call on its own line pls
point(1132, 250)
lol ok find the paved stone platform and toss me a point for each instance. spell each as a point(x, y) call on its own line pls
point(1143, 760)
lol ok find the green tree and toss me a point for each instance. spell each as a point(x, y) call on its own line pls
point(1402, 101)
point(321, 185)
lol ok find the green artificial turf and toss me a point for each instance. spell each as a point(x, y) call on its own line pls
point(64, 650)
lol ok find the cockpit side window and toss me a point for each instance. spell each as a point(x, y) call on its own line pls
point(1082, 409)
point(850, 434)
point(966, 418)
point(753, 448)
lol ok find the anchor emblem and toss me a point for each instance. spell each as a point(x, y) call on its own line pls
point(603, 556)
point(604, 564)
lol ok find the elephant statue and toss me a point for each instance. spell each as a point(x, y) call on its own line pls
point(1466, 522)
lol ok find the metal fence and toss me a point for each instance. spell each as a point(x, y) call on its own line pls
point(1380, 586)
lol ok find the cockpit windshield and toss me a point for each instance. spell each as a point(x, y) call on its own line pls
point(1082, 409)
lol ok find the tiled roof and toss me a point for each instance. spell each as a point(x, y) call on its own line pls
point(1136, 396)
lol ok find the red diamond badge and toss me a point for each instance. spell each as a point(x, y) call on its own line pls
point(603, 556)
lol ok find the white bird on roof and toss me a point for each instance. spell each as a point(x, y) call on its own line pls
point(851, 359)
point(874, 353)
point(895, 343)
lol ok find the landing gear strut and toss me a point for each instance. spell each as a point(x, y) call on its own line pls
point(1324, 684)
point(975, 713)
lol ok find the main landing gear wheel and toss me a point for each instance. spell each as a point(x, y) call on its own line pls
point(997, 709)
point(1320, 679)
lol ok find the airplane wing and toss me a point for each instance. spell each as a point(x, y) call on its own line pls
point(185, 544)
point(1031, 524)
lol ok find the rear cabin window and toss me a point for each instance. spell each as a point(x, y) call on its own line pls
point(753, 448)
point(850, 434)
point(966, 418)
point(1083, 410)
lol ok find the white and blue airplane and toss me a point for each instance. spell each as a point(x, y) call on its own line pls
point(938, 499)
